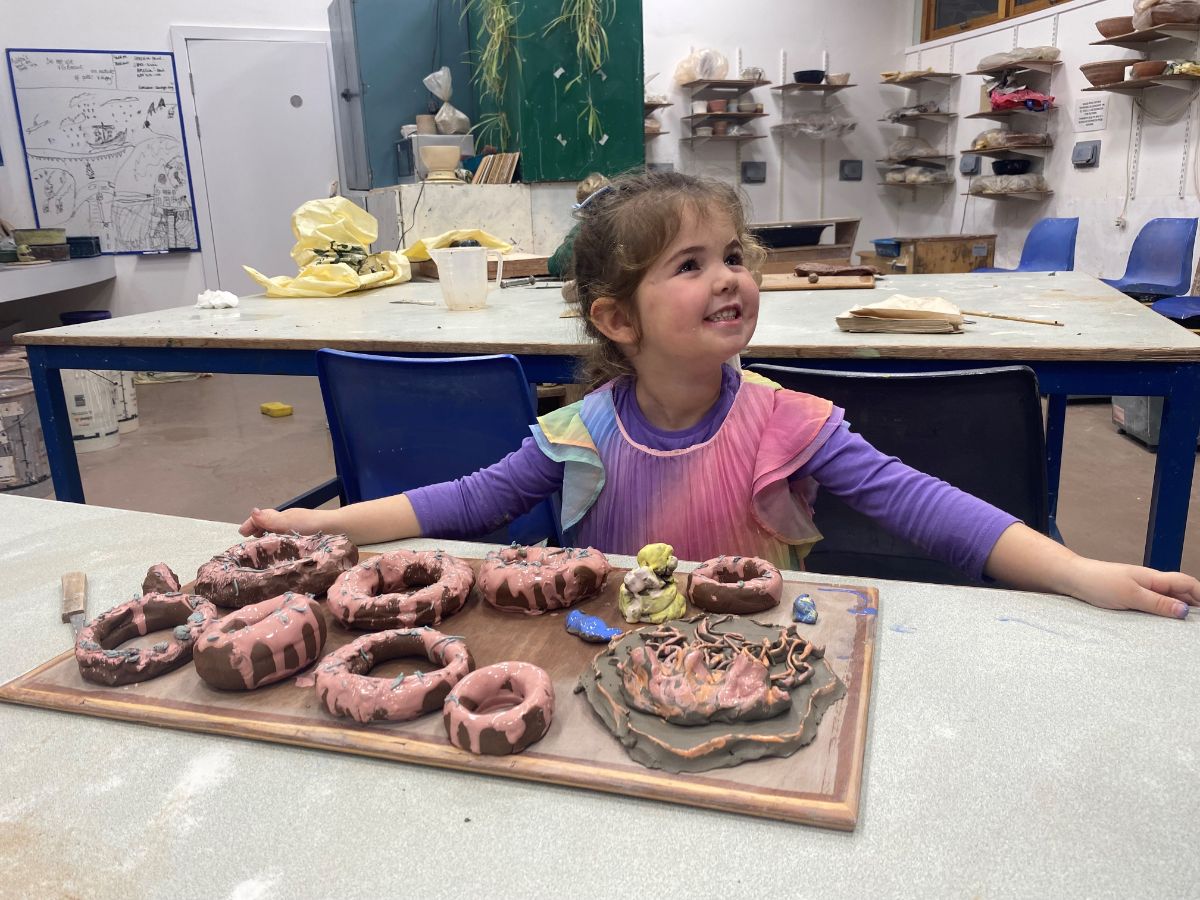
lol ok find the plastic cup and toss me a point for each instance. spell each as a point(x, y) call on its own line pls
point(462, 273)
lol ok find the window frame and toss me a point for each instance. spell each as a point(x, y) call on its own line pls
point(1005, 10)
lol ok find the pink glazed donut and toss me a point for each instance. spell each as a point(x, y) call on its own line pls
point(499, 709)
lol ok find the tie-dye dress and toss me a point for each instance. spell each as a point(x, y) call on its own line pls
point(728, 495)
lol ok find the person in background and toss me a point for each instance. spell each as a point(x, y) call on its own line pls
point(560, 263)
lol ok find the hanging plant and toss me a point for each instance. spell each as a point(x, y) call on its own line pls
point(587, 19)
point(497, 33)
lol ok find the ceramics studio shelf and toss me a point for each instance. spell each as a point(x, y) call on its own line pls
point(1002, 114)
point(795, 88)
point(1044, 66)
point(1037, 152)
point(926, 78)
point(1012, 195)
point(648, 109)
point(918, 117)
point(1138, 40)
point(945, 81)
point(1137, 85)
point(910, 160)
point(722, 89)
point(728, 90)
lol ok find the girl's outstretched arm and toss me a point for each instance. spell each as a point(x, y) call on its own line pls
point(1024, 559)
point(370, 522)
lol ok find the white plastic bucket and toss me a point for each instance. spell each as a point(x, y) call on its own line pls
point(127, 410)
point(22, 451)
point(92, 406)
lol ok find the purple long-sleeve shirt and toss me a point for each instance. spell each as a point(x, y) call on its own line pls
point(948, 524)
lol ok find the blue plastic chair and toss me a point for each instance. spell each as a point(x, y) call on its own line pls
point(1049, 247)
point(399, 423)
point(1160, 263)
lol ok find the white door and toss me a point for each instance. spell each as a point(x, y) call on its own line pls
point(265, 118)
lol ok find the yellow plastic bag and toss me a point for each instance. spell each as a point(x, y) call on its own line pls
point(318, 225)
point(419, 252)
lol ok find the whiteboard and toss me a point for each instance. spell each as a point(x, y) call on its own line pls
point(104, 147)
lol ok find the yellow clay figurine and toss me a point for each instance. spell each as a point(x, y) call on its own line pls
point(648, 593)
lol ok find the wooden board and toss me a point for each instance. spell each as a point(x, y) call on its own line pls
point(516, 265)
point(789, 282)
point(818, 785)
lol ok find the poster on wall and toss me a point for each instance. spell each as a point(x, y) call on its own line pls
point(104, 147)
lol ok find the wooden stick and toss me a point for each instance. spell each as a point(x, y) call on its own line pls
point(971, 312)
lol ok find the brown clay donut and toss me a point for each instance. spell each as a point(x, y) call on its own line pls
point(347, 690)
point(499, 709)
point(261, 643)
point(96, 646)
point(401, 589)
point(533, 580)
point(160, 580)
point(735, 584)
point(266, 567)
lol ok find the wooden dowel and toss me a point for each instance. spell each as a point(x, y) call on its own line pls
point(971, 312)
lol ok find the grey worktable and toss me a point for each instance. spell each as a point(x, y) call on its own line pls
point(1019, 745)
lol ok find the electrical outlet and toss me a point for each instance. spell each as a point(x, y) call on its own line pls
point(754, 172)
point(970, 164)
point(850, 170)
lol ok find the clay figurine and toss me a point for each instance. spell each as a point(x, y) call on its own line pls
point(592, 629)
point(648, 592)
point(804, 610)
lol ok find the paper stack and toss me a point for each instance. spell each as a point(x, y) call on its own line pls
point(904, 315)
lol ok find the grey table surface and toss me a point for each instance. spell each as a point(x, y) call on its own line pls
point(1019, 745)
point(1100, 323)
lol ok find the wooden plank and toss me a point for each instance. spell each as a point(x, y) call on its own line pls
point(516, 265)
point(818, 785)
point(947, 256)
point(789, 282)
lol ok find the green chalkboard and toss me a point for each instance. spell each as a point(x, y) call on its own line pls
point(544, 116)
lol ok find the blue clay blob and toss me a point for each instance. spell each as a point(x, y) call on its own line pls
point(804, 610)
point(590, 628)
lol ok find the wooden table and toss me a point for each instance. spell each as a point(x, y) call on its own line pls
point(1004, 759)
point(1111, 345)
point(936, 254)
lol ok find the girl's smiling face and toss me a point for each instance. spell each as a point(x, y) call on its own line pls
point(697, 302)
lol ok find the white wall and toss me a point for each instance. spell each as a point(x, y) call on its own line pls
point(862, 37)
point(1097, 196)
point(150, 282)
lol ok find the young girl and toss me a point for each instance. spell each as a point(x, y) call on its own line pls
point(675, 444)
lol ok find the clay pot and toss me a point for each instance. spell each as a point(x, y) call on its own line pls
point(1185, 12)
point(1149, 68)
point(1110, 71)
point(717, 106)
point(838, 78)
point(1110, 28)
point(721, 128)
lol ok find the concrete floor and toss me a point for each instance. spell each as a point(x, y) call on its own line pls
point(204, 450)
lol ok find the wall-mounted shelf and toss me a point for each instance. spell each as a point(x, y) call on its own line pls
point(1007, 113)
point(931, 117)
point(1044, 66)
point(737, 138)
point(811, 88)
point(1137, 40)
point(724, 115)
point(1134, 85)
point(19, 282)
point(654, 134)
point(916, 184)
point(927, 78)
point(651, 107)
point(911, 160)
point(1004, 152)
point(1012, 195)
point(717, 89)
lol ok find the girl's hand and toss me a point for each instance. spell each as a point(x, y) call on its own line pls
point(1119, 586)
point(301, 521)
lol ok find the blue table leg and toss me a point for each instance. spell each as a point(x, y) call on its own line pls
point(56, 427)
point(1056, 426)
point(1173, 470)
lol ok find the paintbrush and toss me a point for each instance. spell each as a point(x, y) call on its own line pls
point(985, 315)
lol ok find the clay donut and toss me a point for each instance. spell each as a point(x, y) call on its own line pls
point(346, 690)
point(533, 580)
point(401, 589)
point(261, 643)
point(266, 567)
point(735, 584)
point(101, 662)
point(499, 709)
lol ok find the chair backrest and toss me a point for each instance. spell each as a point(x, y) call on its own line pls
point(400, 423)
point(1050, 246)
point(981, 430)
point(1161, 257)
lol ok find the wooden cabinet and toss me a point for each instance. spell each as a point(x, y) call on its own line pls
point(936, 254)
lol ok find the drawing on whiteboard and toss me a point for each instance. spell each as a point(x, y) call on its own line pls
point(104, 147)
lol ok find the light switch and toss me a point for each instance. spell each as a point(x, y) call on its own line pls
point(970, 164)
point(850, 170)
point(1086, 155)
point(754, 172)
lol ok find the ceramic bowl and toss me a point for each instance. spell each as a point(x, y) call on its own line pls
point(441, 159)
point(1110, 71)
point(1110, 28)
point(809, 76)
point(702, 131)
point(838, 78)
point(1185, 13)
point(720, 129)
point(1149, 68)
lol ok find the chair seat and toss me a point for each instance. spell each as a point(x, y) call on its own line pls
point(989, 270)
